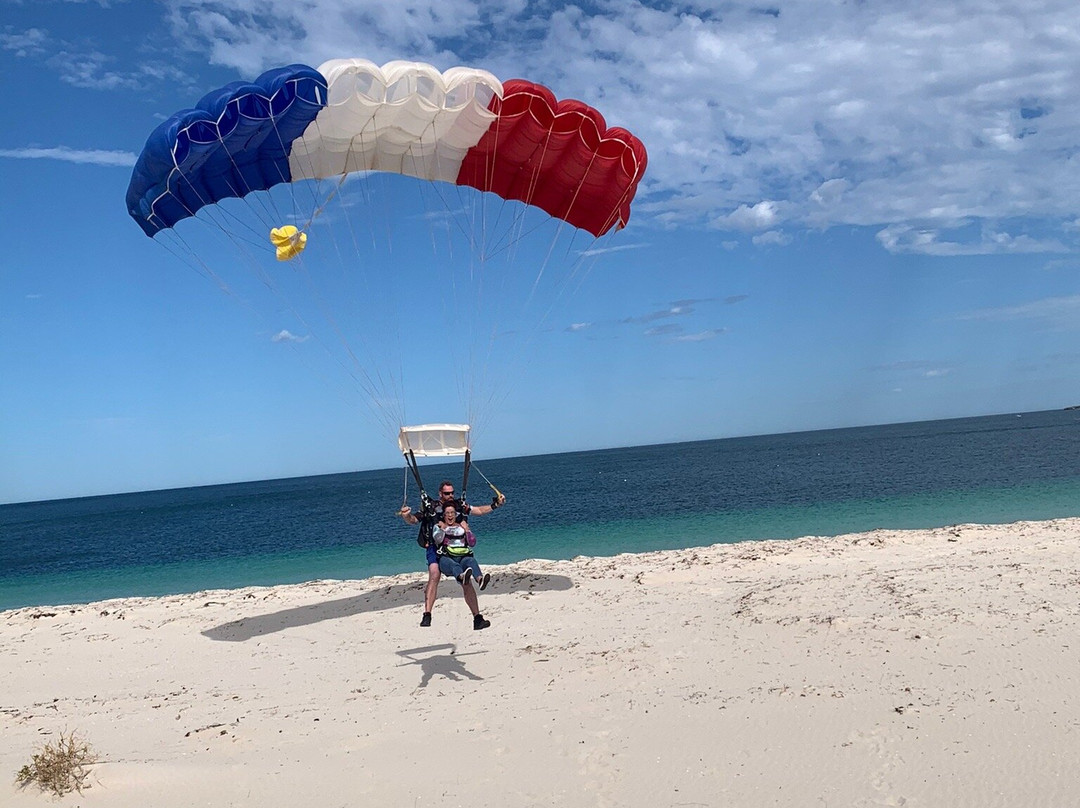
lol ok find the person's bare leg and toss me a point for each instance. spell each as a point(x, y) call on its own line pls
point(431, 591)
point(470, 598)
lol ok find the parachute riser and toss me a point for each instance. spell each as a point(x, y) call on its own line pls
point(426, 505)
point(465, 475)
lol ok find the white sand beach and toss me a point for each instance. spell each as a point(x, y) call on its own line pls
point(915, 668)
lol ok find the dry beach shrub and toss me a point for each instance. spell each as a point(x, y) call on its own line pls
point(59, 768)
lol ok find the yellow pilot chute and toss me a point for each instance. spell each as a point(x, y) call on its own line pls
point(289, 241)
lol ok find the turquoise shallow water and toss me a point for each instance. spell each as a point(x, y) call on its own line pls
point(993, 469)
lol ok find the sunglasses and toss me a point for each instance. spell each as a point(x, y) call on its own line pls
point(446, 493)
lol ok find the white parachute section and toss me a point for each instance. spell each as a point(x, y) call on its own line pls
point(438, 440)
point(434, 440)
point(404, 117)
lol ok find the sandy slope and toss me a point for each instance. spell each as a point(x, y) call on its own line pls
point(922, 668)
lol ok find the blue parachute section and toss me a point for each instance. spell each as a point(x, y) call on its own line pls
point(235, 141)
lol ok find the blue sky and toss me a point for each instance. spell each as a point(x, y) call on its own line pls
point(853, 214)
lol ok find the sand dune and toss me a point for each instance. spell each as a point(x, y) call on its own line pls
point(916, 668)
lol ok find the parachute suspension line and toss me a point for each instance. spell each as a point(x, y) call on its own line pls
point(264, 207)
point(491, 485)
point(487, 241)
point(207, 214)
point(507, 240)
point(193, 260)
point(413, 159)
point(207, 271)
point(581, 184)
point(405, 493)
point(254, 204)
point(532, 188)
point(515, 361)
point(203, 203)
point(355, 369)
point(630, 188)
point(377, 388)
point(286, 148)
point(207, 210)
point(320, 207)
point(373, 393)
point(577, 265)
point(495, 395)
point(465, 475)
point(336, 193)
point(268, 282)
point(453, 310)
point(315, 185)
point(388, 389)
point(253, 238)
point(488, 251)
point(390, 395)
point(243, 194)
point(425, 500)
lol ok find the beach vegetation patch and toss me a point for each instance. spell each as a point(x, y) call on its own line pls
point(59, 767)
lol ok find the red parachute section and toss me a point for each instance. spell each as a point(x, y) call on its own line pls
point(559, 156)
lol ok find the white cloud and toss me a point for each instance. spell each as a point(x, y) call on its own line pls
point(927, 241)
point(1061, 311)
point(919, 114)
point(679, 309)
point(665, 330)
point(101, 157)
point(746, 217)
point(919, 119)
point(918, 367)
point(87, 67)
point(772, 237)
point(700, 336)
point(31, 42)
point(248, 35)
point(578, 326)
point(615, 248)
point(287, 336)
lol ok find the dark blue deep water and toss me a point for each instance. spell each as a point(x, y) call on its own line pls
point(990, 469)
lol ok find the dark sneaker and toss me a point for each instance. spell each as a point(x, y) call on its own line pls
point(484, 581)
point(466, 577)
point(478, 622)
point(426, 619)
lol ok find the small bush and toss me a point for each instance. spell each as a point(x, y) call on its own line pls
point(60, 768)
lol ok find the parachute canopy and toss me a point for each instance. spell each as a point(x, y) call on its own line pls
point(434, 440)
point(463, 126)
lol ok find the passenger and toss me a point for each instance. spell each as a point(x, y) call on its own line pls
point(454, 542)
point(411, 517)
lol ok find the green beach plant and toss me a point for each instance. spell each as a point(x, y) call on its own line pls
point(59, 768)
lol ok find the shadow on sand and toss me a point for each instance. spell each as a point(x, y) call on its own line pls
point(432, 663)
point(387, 597)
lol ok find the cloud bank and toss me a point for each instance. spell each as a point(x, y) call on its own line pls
point(101, 157)
point(948, 128)
point(919, 117)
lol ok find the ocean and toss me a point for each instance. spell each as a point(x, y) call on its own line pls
point(990, 469)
